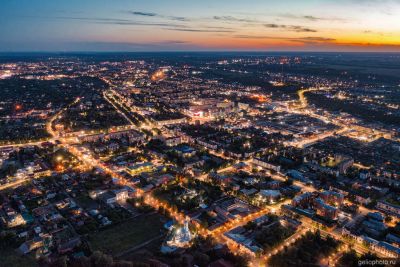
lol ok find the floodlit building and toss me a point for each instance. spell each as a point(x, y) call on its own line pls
point(178, 237)
point(140, 168)
point(269, 195)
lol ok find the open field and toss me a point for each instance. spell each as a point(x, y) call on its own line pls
point(123, 236)
point(10, 257)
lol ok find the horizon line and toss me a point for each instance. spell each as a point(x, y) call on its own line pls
point(197, 51)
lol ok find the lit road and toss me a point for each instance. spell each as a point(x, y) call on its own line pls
point(111, 101)
point(14, 184)
point(302, 99)
point(33, 143)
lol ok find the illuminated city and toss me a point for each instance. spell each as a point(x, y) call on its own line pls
point(227, 134)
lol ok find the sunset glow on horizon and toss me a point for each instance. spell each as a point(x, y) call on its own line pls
point(123, 25)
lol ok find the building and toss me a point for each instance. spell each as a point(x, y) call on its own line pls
point(362, 198)
point(382, 247)
point(243, 106)
point(132, 135)
point(345, 162)
point(178, 237)
point(68, 245)
point(269, 196)
point(173, 141)
point(332, 197)
point(163, 179)
point(92, 137)
point(140, 168)
point(266, 165)
point(224, 179)
point(209, 145)
point(302, 199)
point(294, 174)
point(94, 194)
point(192, 164)
point(108, 197)
point(185, 151)
point(374, 225)
point(389, 208)
point(327, 211)
point(391, 238)
point(248, 192)
point(12, 219)
point(387, 249)
point(273, 184)
point(111, 197)
point(170, 122)
point(232, 209)
point(121, 195)
point(30, 245)
point(364, 174)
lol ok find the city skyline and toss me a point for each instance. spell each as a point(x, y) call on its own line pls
point(361, 26)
